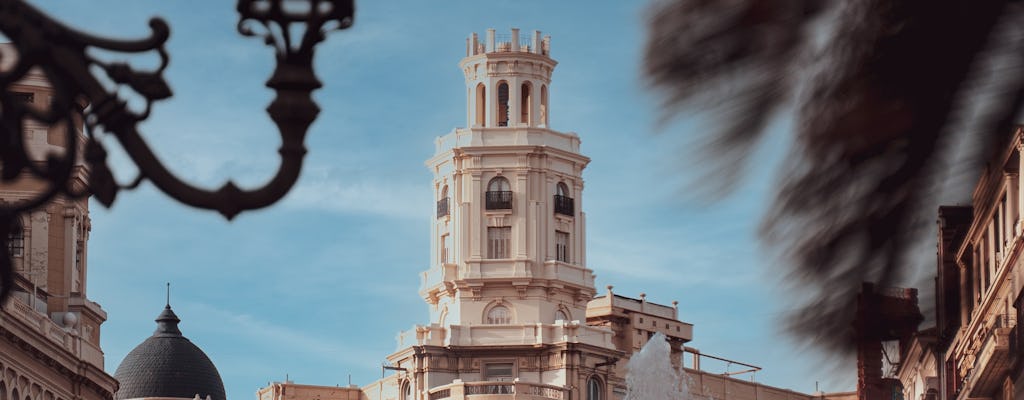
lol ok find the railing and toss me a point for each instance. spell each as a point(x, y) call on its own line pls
point(564, 205)
point(491, 388)
point(442, 207)
point(499, 200)
point(516, 389)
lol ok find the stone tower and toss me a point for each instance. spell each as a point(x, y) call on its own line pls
point(49, 328)
point(508, 237)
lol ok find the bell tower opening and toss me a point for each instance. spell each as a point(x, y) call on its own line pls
point(481, 105)
point(526, 103)
point(502, 103)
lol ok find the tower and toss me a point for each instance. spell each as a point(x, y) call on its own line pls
point(508, 237)
point(49, 329)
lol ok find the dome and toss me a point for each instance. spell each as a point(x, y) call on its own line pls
point(168, 365)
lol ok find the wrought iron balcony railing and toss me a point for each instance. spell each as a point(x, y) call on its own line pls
point(564, 205)
point(442, 207)
point(498, 200)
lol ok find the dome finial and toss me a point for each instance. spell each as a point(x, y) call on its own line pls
point(167, 321)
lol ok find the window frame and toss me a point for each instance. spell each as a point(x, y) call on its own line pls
point(499, 242)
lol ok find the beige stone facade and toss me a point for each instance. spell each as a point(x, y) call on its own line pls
point(50, 330)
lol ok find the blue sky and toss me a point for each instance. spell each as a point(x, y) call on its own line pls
point(317, 286)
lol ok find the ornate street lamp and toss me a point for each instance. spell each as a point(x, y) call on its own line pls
point(61, 53)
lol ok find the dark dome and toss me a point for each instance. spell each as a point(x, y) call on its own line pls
point(168, 365)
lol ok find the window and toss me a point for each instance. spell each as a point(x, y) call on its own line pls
point(446, 249)
point(525, 103)
point(499, 315)
point(561, 315)
point(562, 246)
point(407, 390)
point(16, 240)
point(499, 242)
point(593, 388)
point(563, 203)
point(442, 203)
point(543, 106)
point(499, 194)
point(498, 371)
point(24, 97)
point(503, 103)
point(481, 105)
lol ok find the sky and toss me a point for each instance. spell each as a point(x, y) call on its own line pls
point(316, 287)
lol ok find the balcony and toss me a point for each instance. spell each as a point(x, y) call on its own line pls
point(564, 205)
point(498, 200)
point(497, 390)
point(442, 207)
point(992, 361)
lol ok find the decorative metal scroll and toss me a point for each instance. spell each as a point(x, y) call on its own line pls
point(86, 93)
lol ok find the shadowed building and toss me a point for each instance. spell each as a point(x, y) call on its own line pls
point(49, 329)
point(974, 350)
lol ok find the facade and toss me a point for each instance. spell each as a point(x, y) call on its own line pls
point(973, 351)
point(513, 311)
point(50, 330)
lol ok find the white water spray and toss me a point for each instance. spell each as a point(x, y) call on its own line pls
point(651, 376)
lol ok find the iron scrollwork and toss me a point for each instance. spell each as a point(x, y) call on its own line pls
point(86, 94)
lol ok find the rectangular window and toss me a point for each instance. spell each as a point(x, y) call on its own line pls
point(498, 371)
point(499, 242)
point(562, 246)
point(446, 249)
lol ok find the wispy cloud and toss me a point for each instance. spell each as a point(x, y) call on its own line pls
point(356, 192)
point(280, 338)
point(671, 257)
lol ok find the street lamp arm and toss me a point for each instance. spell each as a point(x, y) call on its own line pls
point(86, 93)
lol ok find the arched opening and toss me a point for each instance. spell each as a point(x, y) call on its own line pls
point(543, 105)
point(442, 202)
point(525, 101)
point(594, 388)
point(14, 394)
point(3, 391)
point(499, 194)
point(502, 103)
point(16, 239)
point(481, 105)
point(407, 390)
point(564, 203)
point(499, 315)
point(561, 315)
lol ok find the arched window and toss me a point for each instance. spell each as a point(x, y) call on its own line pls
point(502, 103)
point(3, 391)
point(594, 388)
point(16, 239)
point(525, 103)
point(499, 315)
point(563, 202)
point(407, 390)
point(499, 194)
point(543, 106)
point(14, 394)
point(561, 315)
point(481, 105)
point(442, 202)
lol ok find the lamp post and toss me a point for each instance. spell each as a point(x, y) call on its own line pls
point(62, 55)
